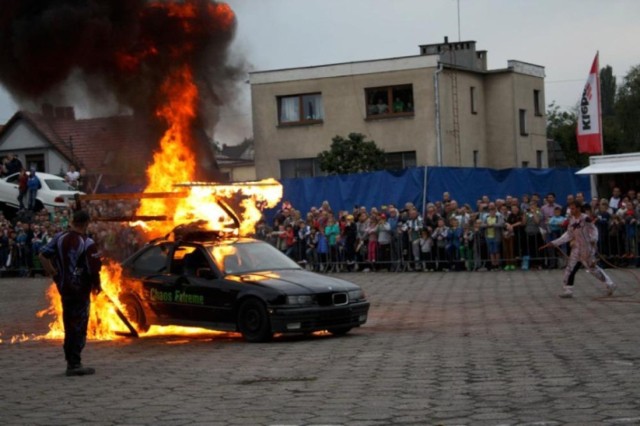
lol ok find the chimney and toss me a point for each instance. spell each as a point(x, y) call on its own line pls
point(70, 113)
point(47, 110)
point(64, 113)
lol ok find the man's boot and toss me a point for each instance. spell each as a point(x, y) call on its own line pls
point(79, 370)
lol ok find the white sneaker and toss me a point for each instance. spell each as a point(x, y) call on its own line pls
point(567, 293)
point(611, 287)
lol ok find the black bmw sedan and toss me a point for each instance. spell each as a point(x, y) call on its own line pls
point(235, 284)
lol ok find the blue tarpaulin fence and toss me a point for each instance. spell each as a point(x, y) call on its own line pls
point(465, 184)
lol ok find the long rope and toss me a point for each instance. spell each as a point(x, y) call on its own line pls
point(620, 298)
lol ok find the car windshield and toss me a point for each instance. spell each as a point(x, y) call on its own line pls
point(242, 258)
point(59, 185)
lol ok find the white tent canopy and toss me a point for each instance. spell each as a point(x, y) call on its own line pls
point(608, 164)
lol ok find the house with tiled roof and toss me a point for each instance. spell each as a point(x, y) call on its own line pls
point(112, 149)
point(115, 151)
point(236, 161)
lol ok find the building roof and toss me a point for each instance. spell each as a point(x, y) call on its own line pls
point(100, 145)
point(242, 151)
point(609, 164)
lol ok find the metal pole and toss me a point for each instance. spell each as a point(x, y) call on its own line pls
point(424, 191)
point(436, 88)
point(459, 39)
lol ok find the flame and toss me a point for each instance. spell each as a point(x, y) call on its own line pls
point(172, 170)
point(104, 323)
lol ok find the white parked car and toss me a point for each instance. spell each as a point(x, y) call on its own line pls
point(55, 192)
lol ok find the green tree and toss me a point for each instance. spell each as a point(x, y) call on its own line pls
point(561, 127)
point(611, 135)
point(352, 155)
point(607, 90)
point(627, 111)
point(620, 123)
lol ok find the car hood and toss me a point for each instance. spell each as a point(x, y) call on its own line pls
point(297, 281)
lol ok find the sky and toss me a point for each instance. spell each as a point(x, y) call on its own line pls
point(561, 35)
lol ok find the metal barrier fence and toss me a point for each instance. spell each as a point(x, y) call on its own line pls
point(618, 247)
point(520, 251)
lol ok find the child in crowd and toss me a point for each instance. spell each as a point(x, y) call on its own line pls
point(466, 247)
point(440, 237)
point(426, 244)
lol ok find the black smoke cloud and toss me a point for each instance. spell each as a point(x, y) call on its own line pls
point(120, 48)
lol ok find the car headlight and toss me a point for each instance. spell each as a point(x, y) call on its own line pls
point(356, 295)
point(300, 300)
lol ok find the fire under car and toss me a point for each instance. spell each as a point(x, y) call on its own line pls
point(201, 279)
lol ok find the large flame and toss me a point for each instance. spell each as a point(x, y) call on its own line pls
point(172, 170)
point(104, 322)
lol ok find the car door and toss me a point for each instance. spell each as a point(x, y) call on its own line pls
point(197, 291)
point(151, 269)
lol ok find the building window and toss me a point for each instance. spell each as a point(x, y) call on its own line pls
point(539, 159)
point(300, 168)
point(525, 164)
point(536, 103)
point(476, 156)
point(389, 101)
point(34, 161)
point(300, 109)
point(472, 93)
point(399, 160)
point(523, 123)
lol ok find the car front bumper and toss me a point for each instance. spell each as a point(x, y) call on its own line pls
point(315, 318)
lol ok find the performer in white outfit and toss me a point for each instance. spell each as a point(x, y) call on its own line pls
point(582, 235)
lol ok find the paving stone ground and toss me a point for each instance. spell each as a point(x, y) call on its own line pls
point(482, 348)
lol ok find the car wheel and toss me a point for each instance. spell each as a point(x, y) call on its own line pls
point(253, 321)
point(339, 331)
point(135, 313)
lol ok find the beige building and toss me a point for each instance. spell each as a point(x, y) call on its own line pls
point(440, 108)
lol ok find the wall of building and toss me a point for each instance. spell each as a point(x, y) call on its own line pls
point(536, 138)
point(501, 121)
point(508, 93)
point(466, 134)
point(240, 173)
point(22, 139)
point(21, 136)
point(345, 111)
point(489, 136)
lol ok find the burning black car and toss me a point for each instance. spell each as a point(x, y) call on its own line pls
point(235, 284)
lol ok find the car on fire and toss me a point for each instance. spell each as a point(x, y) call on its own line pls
point(201, 279)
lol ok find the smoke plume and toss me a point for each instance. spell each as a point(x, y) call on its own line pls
point(119, 49)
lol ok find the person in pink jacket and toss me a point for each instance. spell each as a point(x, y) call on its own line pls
point(582, 235)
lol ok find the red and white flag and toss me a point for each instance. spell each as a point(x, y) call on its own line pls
point(589, 131)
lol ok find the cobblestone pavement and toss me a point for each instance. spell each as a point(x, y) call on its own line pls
point(483, 348)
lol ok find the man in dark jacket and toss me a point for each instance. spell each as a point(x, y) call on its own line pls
point(14, 165)
point(71, 258)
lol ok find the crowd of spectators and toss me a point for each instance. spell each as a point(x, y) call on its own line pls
point(22, 237)
point(500, 234)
